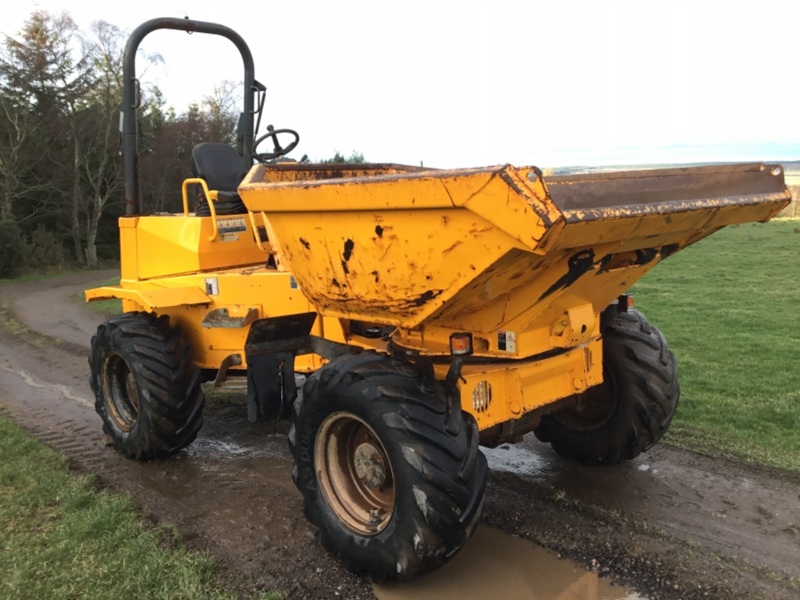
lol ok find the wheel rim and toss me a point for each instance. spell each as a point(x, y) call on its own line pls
point(593, 408)
point(354, 473)
point(120, 392)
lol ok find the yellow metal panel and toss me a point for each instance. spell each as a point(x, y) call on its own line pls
point(257, 291)
point(154, 299)
point(414, 190)
point(177, 244)
point(376, 264)
point(516, 201)
point(128, 248)
point(523, 386)
point(382, 267)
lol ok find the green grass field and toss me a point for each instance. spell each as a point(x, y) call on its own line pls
point(34, 277)
point(61, 538)
point(729, 307)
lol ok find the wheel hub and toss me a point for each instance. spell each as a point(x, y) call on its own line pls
point(370, 467)
point(120, 392)
point(354, 473)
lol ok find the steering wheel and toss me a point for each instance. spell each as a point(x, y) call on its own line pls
point(278, 150)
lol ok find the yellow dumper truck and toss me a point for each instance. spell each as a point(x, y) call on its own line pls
point(438, 310)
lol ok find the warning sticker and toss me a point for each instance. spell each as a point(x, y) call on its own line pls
point(234, 225)
point(212, 286)
point(507, 341)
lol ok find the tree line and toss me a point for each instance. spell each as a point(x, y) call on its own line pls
point(61, 178)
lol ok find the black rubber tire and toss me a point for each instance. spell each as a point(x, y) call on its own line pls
point(439, 474)
point(146, 385)
point(638, 398)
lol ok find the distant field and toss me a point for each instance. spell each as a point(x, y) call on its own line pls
point(730, 308)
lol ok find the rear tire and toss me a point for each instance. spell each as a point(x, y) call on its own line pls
point(630, 411)
point(393, 480)
point(146, 386)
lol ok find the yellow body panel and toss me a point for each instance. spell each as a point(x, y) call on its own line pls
point(172, 265)
point(166, 245)
point(396, 250)
point(255, 291)
point(528, 385)
point(151, 300)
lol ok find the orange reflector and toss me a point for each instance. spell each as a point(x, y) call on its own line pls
point(625, 302)
point(460, 343)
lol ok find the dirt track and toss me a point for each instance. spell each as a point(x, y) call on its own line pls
point(670, 524)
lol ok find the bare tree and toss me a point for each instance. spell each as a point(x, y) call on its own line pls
point(220, 112)
point(16, 135)
point(167, 145)
point(94, 122)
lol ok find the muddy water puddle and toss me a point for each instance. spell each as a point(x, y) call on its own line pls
point(492, 564)
point(211, 449)
point(496, 565)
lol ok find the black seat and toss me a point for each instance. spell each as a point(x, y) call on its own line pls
point(223, 169)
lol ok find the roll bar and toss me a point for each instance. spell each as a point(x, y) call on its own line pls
point(133, 201)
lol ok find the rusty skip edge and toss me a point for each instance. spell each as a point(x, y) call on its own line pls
point(655, 187)
point(313, 176)
point(322, 171)
point(778, 201)
point(722, 172)
point(325, 175)
point(615, 202)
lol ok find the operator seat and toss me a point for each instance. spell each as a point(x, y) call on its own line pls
point(222, 168)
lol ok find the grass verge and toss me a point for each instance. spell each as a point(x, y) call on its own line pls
point(61, 538)
point(730, 308)
point(27, 277)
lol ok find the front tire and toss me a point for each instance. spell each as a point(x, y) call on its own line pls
point(146, 386)
point(632, 409)
point(392, 479)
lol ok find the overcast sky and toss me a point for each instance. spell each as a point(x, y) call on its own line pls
point(455, 84)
